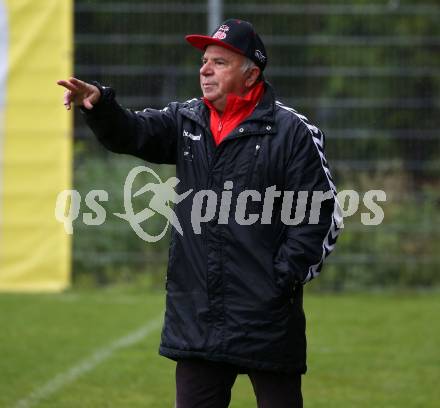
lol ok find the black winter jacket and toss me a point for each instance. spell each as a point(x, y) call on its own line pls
point(234, 292)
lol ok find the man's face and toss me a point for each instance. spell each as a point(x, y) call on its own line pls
point(221, 74)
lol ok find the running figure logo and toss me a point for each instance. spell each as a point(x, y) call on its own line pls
point(164, 193)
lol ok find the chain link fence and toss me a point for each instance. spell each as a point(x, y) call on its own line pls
point(367, 72)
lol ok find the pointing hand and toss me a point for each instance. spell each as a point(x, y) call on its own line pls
point(80, 93)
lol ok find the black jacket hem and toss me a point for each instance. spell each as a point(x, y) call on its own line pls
point(242, 363)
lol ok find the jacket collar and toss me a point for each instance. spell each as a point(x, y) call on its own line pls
point(262, 119)
point(238, 105)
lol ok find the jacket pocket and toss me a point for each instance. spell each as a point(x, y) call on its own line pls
point(283, 280)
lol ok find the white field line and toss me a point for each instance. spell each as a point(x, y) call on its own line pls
point(71, 298)
point(88, 364)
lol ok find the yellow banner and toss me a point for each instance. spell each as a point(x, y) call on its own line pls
point(35, 143)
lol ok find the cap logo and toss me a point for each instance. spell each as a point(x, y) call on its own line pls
point(260, 56)
point(221, 32)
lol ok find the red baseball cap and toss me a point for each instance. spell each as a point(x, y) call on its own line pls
point(235, 35)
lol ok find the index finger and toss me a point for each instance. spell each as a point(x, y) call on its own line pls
point(78, 83)
point(68, 85)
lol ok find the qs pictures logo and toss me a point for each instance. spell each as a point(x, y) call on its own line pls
point(297, 207)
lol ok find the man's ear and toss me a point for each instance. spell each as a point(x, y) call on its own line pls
point(252, 76)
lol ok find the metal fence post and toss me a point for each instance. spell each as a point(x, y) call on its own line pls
point(215, 14)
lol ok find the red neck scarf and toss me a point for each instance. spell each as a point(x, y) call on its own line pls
point(237, 109)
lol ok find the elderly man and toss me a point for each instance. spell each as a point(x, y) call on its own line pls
point(235, 287)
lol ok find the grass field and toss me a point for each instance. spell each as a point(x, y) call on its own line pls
point(98, 348)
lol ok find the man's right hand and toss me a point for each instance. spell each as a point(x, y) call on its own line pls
point(80, 93)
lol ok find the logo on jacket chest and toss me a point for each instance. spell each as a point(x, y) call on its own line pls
point(191, 136)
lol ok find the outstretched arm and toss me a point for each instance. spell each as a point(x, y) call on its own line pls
point(149, 135)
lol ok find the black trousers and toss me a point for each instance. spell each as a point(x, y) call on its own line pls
point(204, 384)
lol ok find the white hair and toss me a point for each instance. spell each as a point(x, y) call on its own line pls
point(247, 64)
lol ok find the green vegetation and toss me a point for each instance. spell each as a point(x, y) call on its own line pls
point(365, 350)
